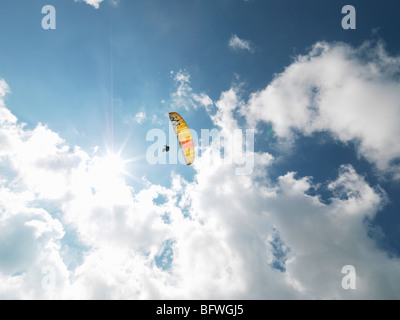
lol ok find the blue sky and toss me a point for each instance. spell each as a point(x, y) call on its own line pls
point(85, 208)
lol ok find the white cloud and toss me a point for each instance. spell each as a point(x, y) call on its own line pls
point(184, 95)
point(321, 238)
point(236, 43)
point(140, 117)
point(353, 93)
point(30, 242)
point(203, 99)
point(95, 3)
point(4, 89)
point(221, 227)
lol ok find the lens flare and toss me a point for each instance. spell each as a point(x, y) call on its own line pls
point(113, 165)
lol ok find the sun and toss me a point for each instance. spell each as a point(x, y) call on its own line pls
point(108, 170)
point(107, 178)
point(113, 165)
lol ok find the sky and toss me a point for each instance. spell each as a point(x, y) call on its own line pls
point(293, 193)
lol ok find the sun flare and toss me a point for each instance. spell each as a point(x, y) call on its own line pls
point(113, 165)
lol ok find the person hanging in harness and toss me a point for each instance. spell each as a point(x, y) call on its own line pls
point(165, 149)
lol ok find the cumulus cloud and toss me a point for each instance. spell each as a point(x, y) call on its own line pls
point(320, 238)
point(46, 187)
point(353, 93)
point(236, 43)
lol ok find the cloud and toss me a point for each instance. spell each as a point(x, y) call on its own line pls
point(352, 93)
point(236, 43)
point(203, 99)
point(184, 95)
point(323, 238)
point(139, 117)
point(237, 213)
point(47, 188)
point(4, 89)
point(114, 3)
point(227, 236)
point(319, 238)
point(30, 242)
point(95, 3)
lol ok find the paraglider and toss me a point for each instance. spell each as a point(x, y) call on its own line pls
point(184, 137)
point(165, 149)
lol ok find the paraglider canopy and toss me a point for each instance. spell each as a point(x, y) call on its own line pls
point(184, 136)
